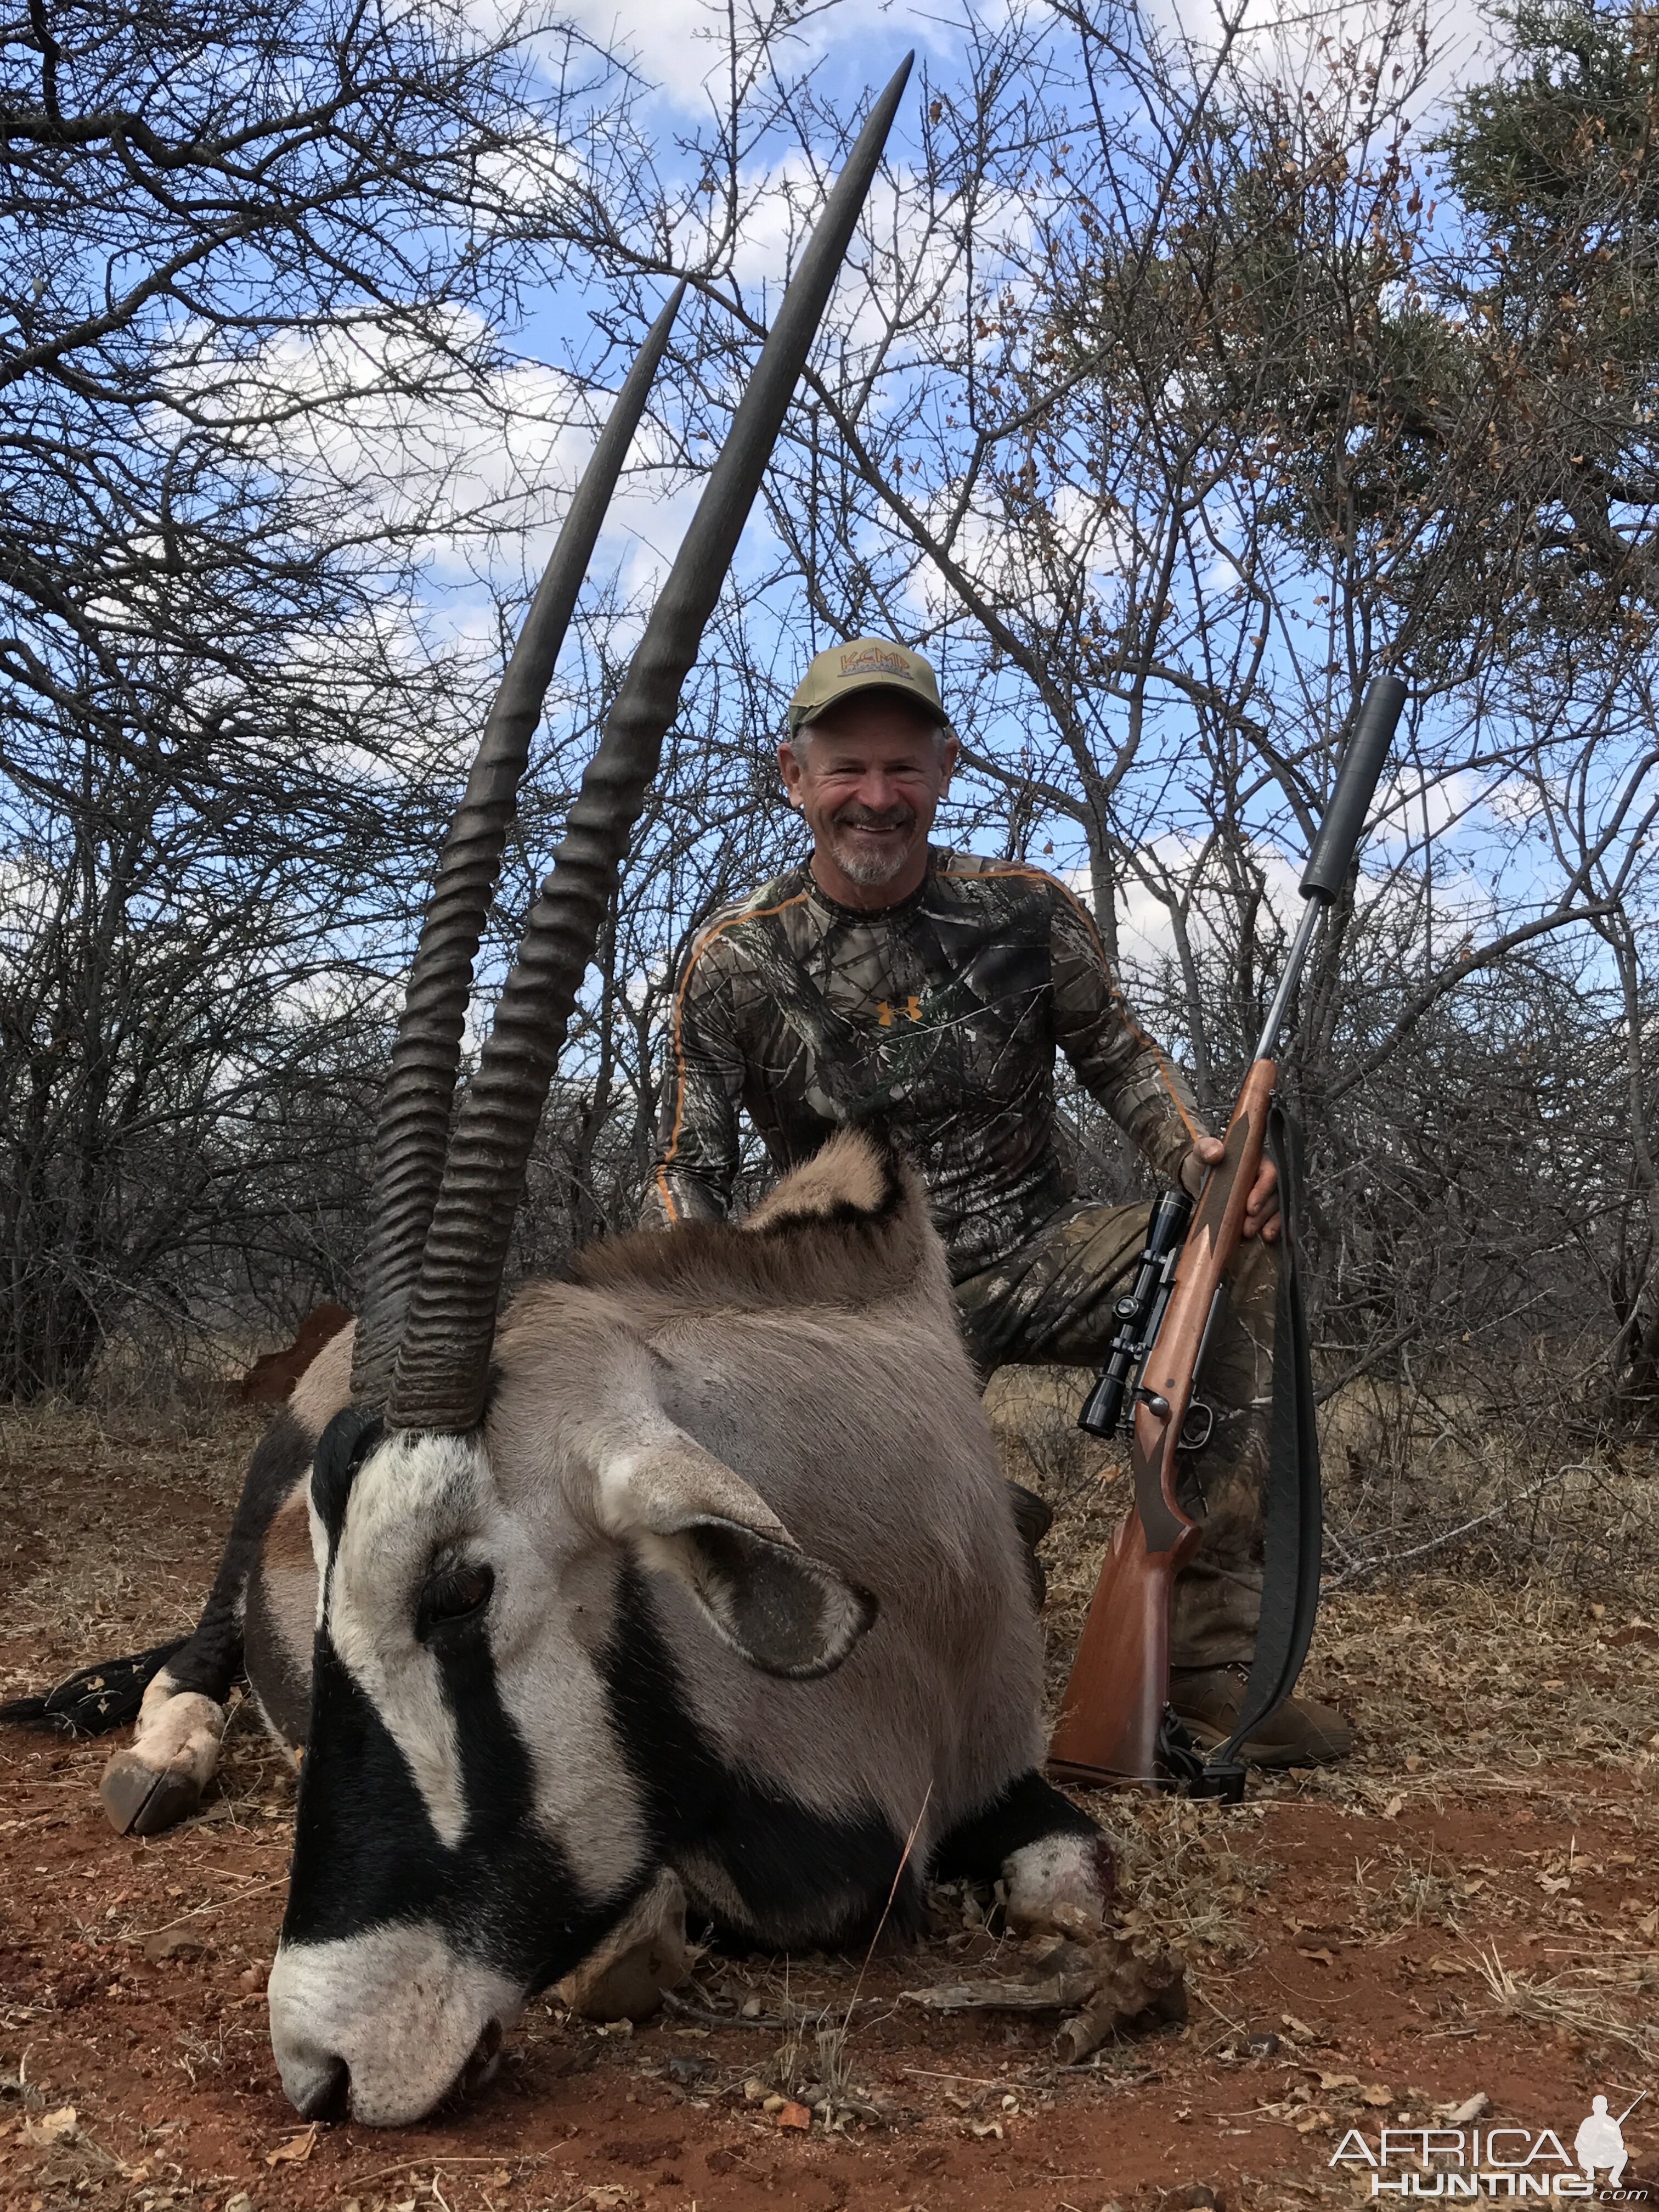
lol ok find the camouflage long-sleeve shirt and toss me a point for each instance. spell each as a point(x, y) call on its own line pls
point(943, 1014)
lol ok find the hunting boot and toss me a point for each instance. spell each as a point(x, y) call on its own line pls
point(1302, 1733)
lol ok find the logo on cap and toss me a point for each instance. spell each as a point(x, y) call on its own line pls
point(874, 659)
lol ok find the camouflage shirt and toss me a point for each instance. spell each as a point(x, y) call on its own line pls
point(941, 1014)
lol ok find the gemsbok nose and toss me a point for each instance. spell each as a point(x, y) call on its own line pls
point(379, 2027)
point(329, 2097)
point(317, 2080)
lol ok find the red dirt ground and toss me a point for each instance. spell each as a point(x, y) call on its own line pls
point(1397, 1936)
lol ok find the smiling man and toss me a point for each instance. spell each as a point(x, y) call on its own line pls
point(886, 977)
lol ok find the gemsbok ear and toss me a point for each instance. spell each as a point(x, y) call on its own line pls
point(682, 1512)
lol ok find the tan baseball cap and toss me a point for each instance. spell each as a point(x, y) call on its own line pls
point(867, 664)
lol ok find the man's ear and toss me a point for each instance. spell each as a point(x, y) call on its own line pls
point(790, 768)
point(682, 1512)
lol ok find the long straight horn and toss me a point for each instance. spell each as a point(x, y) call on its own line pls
point(411, 1134)
point(442, 1371)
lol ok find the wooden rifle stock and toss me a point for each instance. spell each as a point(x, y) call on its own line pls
point(1113, 1708)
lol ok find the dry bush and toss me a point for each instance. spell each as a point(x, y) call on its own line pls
point(1418, 1476)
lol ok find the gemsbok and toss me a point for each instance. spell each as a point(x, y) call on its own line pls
point(695, 1578)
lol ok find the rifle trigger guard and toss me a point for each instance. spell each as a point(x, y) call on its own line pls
point(1197, 1428)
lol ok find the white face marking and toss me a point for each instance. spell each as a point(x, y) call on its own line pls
point(319, 1553)
point(401, 2008)
point(416, 1498)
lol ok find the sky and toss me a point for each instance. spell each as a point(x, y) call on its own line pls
point(853, 44)
point(863, 39)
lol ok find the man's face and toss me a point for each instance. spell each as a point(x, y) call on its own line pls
point(869, 777)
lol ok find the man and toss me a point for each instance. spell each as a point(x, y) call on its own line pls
point(883, 975)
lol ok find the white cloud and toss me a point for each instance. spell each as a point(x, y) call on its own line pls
point(402, 440)
point(1084, 532)
point(669, 41)
point(1412, 808)
point(680, 47)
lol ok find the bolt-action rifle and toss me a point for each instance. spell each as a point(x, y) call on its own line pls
point(1113, 1726)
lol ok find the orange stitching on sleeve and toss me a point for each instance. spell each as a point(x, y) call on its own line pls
point(1042, 876)
point(755, 914)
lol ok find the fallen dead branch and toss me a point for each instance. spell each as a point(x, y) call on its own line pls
point(794, 2016)
point(1104, 1984)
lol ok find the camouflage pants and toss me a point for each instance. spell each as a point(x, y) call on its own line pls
point(1051, 1301)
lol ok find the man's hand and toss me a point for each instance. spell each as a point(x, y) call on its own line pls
point(1262, 1212)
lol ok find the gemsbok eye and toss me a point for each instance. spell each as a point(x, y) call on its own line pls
point(454, 1595)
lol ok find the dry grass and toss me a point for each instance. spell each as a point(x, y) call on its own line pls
point(84, 1579)
point(1593, 1999)
point(1191, 1876)
point(200, 1448)
point(1426, 1477)
point(1441, 1663)
point(1451, 1679)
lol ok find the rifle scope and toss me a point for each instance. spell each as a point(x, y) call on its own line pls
point(1108, 1409)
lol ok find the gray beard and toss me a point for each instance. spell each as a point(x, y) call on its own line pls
point(870, 870)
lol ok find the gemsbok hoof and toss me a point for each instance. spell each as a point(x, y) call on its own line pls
point(1061, 1885)
point(158, 1780)
point(139, 1802)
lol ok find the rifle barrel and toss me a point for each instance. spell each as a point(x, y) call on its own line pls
point(1266, 1044)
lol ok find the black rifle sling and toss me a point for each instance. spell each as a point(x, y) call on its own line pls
point(1293, 1530)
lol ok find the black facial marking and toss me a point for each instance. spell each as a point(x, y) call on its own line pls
point(365, 1853)
point(282, 1689)
point(801, 1873)
point(1025, 1812)
point(343, 1446)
